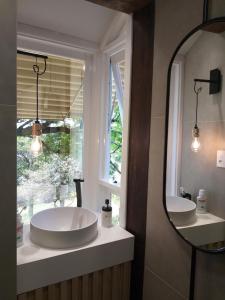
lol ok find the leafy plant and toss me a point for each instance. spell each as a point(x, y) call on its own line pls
point(116, 143)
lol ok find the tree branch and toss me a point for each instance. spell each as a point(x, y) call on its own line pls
point(115, 167)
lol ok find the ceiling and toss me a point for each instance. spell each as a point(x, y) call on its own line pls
point(77, 18)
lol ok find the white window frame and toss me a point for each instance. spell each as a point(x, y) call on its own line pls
point(121, 44)
point(106, 104)
point(95, 189)
point(175, 128)
point(114, 60)
point(46, 42)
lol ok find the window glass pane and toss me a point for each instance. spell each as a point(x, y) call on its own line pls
point(46, 180)
point(115, 203)
point(115, 122)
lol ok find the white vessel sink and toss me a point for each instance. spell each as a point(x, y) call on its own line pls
point(181, 211)
point(63, 227)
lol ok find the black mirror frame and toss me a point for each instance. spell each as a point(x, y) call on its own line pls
point(199, 27)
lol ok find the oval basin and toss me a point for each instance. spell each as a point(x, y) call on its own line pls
point(63, 227)
point(181, 211)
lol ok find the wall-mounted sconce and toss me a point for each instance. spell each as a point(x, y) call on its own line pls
point(214, 81)
point(214, 88)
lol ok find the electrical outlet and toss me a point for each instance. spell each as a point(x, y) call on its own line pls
point(220, 159)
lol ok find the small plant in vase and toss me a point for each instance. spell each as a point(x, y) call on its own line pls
point(66, 170)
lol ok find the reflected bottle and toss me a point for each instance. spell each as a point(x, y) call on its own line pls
point(202, 202)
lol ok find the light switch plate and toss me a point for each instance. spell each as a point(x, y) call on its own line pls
point(220, 159)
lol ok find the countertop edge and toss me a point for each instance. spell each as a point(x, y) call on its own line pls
point(40, 273)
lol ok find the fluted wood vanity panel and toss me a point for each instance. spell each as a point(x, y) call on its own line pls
point(108, 284)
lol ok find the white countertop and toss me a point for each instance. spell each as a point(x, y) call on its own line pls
point(38, 267)
point(207, 229)
point(204, 219)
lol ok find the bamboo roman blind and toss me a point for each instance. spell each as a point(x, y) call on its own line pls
point(60, 88)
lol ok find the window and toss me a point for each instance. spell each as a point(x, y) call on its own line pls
point(47, 180)
point(175, 129)
point(114, 130)
point(114, 146)
point(84, 123)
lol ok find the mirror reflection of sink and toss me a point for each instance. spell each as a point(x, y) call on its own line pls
point(181, 211)
point(63, 227)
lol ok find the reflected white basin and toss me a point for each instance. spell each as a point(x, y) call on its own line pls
point(181, 211)
point(63, 227)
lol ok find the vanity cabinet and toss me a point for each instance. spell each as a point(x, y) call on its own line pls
point(99, 270)
point(107, 284)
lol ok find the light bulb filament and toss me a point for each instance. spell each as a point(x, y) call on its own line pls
point(195, 145)
point(36, 146)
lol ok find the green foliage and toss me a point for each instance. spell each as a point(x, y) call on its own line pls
point(115, 143)
point(56, 143)
point(53, 144)
point(23, 158)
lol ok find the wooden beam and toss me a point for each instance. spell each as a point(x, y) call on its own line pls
point(126, 6)
point(139, 139)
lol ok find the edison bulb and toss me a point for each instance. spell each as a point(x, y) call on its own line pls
point(196, 145)
point(36, 145)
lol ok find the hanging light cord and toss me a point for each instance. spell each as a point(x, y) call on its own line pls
point(36, 70)
point(76, 94)
point(197, 92)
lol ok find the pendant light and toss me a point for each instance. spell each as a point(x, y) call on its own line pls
point(36, 144)
point(196, 145)
point(214, 87)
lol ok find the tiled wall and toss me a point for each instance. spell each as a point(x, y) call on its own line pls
point(168, 258)
point(8, 149)
point(199, 170)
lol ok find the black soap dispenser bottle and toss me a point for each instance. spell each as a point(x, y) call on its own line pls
point(106, 215)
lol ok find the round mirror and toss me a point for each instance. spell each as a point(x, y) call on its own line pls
point(194, 185)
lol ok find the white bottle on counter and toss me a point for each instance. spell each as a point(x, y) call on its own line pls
point(202, 202)
point(19, 231)
point(106, 215)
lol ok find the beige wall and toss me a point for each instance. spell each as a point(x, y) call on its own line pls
point(8, 149)
point(198, 170)
point(168, 258)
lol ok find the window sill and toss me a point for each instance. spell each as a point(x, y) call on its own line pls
point(115, 188)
